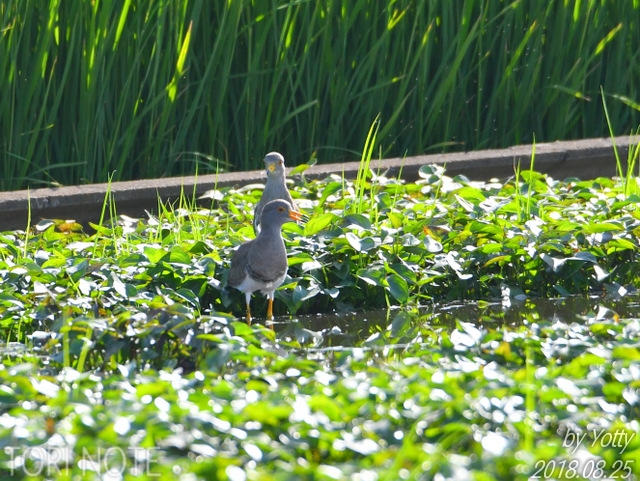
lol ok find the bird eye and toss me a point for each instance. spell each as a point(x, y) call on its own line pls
point(280, 209)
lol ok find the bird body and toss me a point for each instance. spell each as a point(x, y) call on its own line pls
point(275, 187)
point(261, 264)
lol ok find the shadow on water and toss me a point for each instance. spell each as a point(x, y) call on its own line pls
point(349, 329)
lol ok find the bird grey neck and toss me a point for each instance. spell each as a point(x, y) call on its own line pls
point(269, 231)
point(278, 174)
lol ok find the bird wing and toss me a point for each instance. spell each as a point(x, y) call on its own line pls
point(239, 262)
point(257, 214)
point(268, 268)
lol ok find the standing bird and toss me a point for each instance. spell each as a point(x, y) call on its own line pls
point(275, 188)
point(261, 264)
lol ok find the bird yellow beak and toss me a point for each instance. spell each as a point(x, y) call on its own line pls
point(271, 167)
point(295, 215)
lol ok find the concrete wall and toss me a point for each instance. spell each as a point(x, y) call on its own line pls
point(584, 159)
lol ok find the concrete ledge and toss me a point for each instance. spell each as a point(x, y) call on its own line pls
point(585, 159)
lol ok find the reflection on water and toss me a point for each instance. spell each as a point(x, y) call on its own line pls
point(565, 309)
point(349, 329)
point(336, 331)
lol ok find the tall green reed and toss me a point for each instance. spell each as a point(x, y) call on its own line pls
point(141, 89)
point(524, 202)
point(626, 173)
point(361, 185)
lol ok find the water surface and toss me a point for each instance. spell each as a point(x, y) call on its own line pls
point(351, 328)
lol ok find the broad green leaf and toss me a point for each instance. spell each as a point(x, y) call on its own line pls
point(318, 223)
point(620, 244)
point(601, 227)
point(398, 288)
point(354, 241)
point(328, 190)
point(500, 260)
point(471, 194)
point(489, 248)
point(154, 254)
point(373, 276)
point(356, 220)
point(300, 168)
point(432, 245)
point(396, 220)
point(486, 228)
point(626, 352)
point(327, 406)
point(177, 256)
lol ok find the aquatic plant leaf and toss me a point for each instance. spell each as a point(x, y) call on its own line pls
point(78, 269)
point(372, 276)
point(154, 254)
point(369, 243)
point(626, 352)
point(490, 248)
point(354, 241)
point(300, 168)
point(310, 265)
point(318, 223)
point(472, 330)
point(358, 221)
point(592, 228)
point(396, 220)
point(568, 226)
point(584, 256)
point(432, 245)
point(465, 204)
point(461, 340)
point(400, 325)
point(398, 288)
point(601, 274)
point(328, 190)
point(486, 228)
point(472, 194)
point(177, 255)
point(557, 263)
point(620, 244)
point(327, 406)
point(431, 172)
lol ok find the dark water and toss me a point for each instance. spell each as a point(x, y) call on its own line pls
point(348, 329)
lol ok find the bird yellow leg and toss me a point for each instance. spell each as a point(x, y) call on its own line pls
point(270, 312)
point(248, 314)
point(247, 298)
point(270, 309)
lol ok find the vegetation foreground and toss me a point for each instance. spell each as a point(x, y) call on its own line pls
point(122, 359)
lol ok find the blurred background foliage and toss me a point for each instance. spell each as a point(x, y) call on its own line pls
point(136, 89)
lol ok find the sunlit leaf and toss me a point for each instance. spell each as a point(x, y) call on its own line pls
point(624, 352)
point(328, 190)
point(354, 241)
point(318, 223)
point(431, 244)
point(591, 228)
point(177, 256)
point(358, 221)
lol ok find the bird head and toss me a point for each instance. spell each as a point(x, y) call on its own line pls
point(278, 212)
point(274, 161)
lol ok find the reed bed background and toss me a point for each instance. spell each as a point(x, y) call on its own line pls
point(138, 89)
